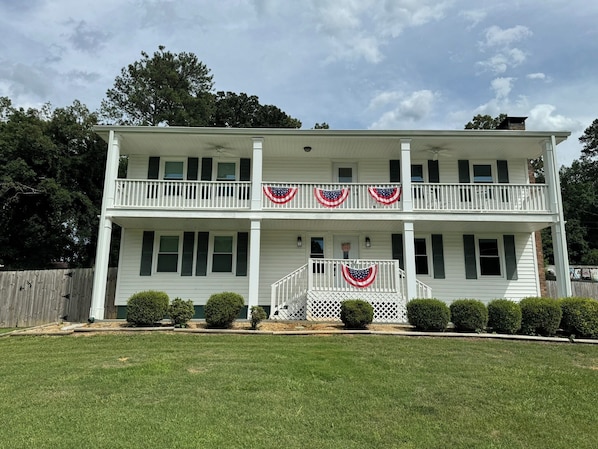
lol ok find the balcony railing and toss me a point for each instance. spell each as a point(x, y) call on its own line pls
point(531, 198)
point(151, 194)
point(331, 197)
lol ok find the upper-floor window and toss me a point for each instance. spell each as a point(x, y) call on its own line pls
point(482, 173)
point(417, 173)
point(174, 170)
point(226, 171)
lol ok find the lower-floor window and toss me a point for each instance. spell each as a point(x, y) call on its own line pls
point(222, 258)
point(421, 256)
point(168, 254)
point(489, 257)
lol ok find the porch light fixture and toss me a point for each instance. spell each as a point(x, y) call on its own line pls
point(368, 242)
point(299, 242)
point(307, 149)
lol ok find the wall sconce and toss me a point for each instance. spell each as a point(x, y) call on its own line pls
point(299, 242)
point(307, 149)
point(368, 242)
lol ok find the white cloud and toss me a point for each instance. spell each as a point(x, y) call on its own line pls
point(502, 87)
point(384, 98)
point(499, 37)
point(413, 108)
point(542, 117)
point(500, 62)
point(536, 76)
point(474, 16)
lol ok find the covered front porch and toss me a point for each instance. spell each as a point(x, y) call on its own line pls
point(316, 290)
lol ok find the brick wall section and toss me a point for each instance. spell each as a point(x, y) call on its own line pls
point(539, 251)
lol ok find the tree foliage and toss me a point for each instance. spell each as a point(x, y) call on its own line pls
point(51, 180)
point(166, 89)
point(485, 121)
point(245, 111)
point(589, 140)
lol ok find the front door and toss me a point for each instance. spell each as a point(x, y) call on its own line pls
point(346, 247)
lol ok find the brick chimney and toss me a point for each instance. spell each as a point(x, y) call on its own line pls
point(513, 124)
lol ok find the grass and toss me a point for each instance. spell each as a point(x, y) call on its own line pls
point(210, 391)
point(4, 330)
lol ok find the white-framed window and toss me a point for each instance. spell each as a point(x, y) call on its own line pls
point(489, 256)
point(482, 172)
point(226, 170)
point(417, 173)
point(421, 256)
point(223, 250)
point(174, 169)
point(168, 251)
point(344, 172)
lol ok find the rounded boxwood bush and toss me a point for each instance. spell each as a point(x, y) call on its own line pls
point(469, 315)
point(356, 313)
point(257, 315)
point(504, 316)
point(580, 316)
point(540, 316)
point(428, 314)
point(180, 312)
point(147, 307)
point(222, 309)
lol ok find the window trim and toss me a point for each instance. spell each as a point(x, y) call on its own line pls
point(211, 246)
point(157, 237)
point(501, 256)
point(493, 171)
point(163, 162)
point(236, 161)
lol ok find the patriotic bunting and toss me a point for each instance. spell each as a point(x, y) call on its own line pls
point(331, 198)
point(386, 195)
point(360, 278)
point(280, 195)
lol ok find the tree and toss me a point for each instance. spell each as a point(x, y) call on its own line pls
point(244, 111)
point(51, 176)
point(322, 125)
point(166, 89)
point(485, 121)
point(589, 140)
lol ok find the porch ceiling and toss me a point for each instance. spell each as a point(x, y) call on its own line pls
point(237, 142)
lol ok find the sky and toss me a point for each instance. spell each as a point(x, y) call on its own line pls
point(354, 64)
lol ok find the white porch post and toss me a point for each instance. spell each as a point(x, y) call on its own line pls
point(256, 175)
point(406, 174)
point(409, 260)
point(98, 296)
point(559, 237)
point(254, 265)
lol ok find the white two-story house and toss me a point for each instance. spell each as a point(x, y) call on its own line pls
point(297, 221)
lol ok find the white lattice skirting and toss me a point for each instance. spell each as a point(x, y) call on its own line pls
point(326, 306)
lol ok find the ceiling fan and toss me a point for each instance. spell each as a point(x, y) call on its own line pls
point(436, 151)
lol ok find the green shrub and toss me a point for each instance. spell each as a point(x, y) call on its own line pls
point(181, 312)
point(147, 307)
point(580, 316)
point(222, 309)
point(540, 316)
point(428, 314)
point(469, 315)
point(504, 316)
point(257, 314)
point(356, 313)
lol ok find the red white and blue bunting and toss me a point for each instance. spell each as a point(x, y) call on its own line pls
point(386, 195)
point(360, 278)
point(280, 195)
point(331, 198)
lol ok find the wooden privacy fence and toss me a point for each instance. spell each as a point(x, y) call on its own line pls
point(33, 298)
point(578, 288)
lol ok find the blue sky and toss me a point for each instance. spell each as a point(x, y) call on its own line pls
point(355, 64)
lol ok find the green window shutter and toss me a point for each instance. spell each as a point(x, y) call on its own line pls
point(192, 168)
point(188, 244)
point(147, 252)
point(395, 170)
point(201, 265)
point(206, 168)
point(502, 167)
point(510, 257)
point(245, 169)
point(397, 249)
point(464, 171)
point(438, 256)
point(471, 271)
point(242, 244)
point(153, 168)
point(433, 173)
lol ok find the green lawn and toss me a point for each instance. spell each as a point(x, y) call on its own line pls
point(210, 391)
point(4, 330)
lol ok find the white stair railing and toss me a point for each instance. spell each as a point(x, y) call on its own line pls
point(288, 296)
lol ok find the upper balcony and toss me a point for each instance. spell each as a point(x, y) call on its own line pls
point(331, 197)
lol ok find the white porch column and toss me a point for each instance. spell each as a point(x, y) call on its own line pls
point(559, 237)
point(406, 175)
point(254, 265)
point(409, 260)
point(256, 175)
point(98, 296)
